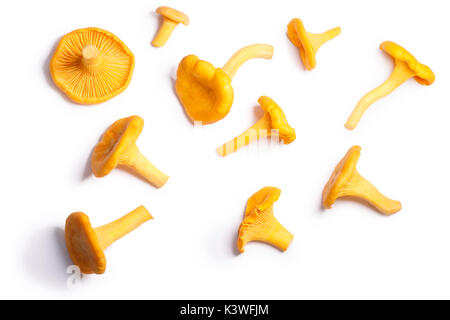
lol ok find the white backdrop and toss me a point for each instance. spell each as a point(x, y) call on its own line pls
point(188, 250)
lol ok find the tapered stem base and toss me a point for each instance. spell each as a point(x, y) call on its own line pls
point(115, 230)
point(264, 51)
point(164, 32)
point(400, 74)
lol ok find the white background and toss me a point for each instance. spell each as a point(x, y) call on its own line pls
point(188, 250)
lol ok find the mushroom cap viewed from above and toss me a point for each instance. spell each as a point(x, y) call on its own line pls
point(91, 65)
point(423, 74)
point(173, 14)
point(278, 119)
point(83, 245)
point(117, 139)
point(204, 91)
point(341, 174)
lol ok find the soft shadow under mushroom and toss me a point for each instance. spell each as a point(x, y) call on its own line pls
point(46, 257)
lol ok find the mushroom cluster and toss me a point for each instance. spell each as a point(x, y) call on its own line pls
point(92, 65)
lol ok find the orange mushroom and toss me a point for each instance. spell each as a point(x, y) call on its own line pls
point(205, 91)
point(406, 67)
point(272, 123)
point(91, 65)
point(118, 148)
point(171, 18)
point(308, 43)
point(259, 223)
point(347, 182)
point(86, 244)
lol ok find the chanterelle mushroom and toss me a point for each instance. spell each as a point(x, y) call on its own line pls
point(273, 122)
point(406, 67)
point(91, 65)
point(347, 182)
point(118, 148)
point(308, 43)
point(259, 223)
point(171, 18)
point(86, 244)
point(205, 91)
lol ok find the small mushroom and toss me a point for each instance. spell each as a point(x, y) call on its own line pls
point(118, 148)
point(406, 67)
point(205, 91)
point(272, 123)
point(91, 65)
point(347, 182)
point(86, 244)
point(259, 223)
point(308, 43)
point(171, 18)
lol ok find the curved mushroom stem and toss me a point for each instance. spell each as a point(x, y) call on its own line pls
point(318, 39)
point(90, 56)
point(115, 230)
point(359, 187)
point(250, 52)
point(138, 163)
point(164, 32)
point(260, 129)
point(399, 75)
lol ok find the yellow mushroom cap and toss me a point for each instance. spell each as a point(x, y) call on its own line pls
point(109, 73)
point(341, 174)
point(278, 119)
point(118, 137)
point(262, 200)
point(173, 14)
point(299, 37)
point(423, 74)
point(82, 244)
point(204, 91)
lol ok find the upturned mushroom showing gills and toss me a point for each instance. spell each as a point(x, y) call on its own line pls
point(118, 148)
point(347, 182)
point(86, 244)
point(308, 43)
point(272, 123)
point(171, 18)
point(259, 223)
point(205, 91)
point(406, 67)
point(91, 65)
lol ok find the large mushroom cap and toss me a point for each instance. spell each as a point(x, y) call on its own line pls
point(299, 37)
point(204, 91)
point(117, 138)
point(341, 174)
point(423, 74)
point(173, 14)
point(108, 74)
point(83, 246)
point(262, 200)
point(278, 118)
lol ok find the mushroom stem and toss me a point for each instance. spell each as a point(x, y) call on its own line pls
point(399, 75)
point(138, 163)
point(115, 230)
point(259, 130)
point(250, 52)
point(90, 56)
point(278, 235)
point(317, 40)
point(164, 32)
point(359, 187)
